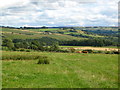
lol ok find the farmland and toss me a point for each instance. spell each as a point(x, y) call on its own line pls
point(77, 36)
point(92, 48)
point(87, 46)
point(66, 70)
point(62, 44)
point(34, 34)
point(49, 58)
point(75, 33)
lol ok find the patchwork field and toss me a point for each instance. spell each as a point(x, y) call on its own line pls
point(66, 70)
point(95, 48)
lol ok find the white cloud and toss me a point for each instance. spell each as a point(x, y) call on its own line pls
point(59, 13)
point(8, 3)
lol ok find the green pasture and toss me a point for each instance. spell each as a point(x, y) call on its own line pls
point(16, 31)
point(41, 30)
point(37, 36)
point(66, 70)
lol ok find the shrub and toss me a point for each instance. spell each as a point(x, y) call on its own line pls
point(112, 52)
point(99, 52)
point(21, 57)
point(46, 61)
point(95, 52)
point(22, 49)
point(89, 50)
point(116, 52)
point(43, 60)
point(108, 52)
point(14, 49)
point(40, 61)
point(5, 48)
point(72, 50)
point(27, 50)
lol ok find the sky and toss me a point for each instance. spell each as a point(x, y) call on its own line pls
point(58, 13)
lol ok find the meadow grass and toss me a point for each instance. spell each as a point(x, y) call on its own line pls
point(16, 31)
point(66, 70)
point(39, 30)
point(38, 36)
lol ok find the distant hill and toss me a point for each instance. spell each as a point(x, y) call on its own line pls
point(60, 33)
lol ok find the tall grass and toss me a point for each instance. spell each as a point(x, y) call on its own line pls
point(22, 57)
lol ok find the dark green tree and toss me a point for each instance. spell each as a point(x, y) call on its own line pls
point(54, 47)
point(8, 43)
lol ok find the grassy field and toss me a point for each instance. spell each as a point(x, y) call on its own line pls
point(66, 70)
point(37, 36)
point(39, 30)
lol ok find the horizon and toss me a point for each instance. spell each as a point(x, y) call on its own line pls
point(53, 26)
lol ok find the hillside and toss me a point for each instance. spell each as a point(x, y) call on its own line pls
point(65, 36)
point(61, 33)
point(35, 34)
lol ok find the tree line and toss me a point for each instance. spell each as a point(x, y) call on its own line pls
point(98, 42)
point(33, 44)
point(50, 44)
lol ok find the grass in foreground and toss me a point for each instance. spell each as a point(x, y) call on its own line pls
point(66, 70)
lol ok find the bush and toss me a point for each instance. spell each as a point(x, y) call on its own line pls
point(99, 52)
point(46, 61)
point(40, 61)
point(43, 60)
point(14, 49)
point(5, 48)
point(27, 50)
point(112, 52)
point(88, 50)
point(72, 50)
point(21, 57)
point(108, 52)
point(116, 52)
point(22, 49)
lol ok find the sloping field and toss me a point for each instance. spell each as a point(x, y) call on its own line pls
point(39, 30)
point(37, 36)
point(19, 31)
